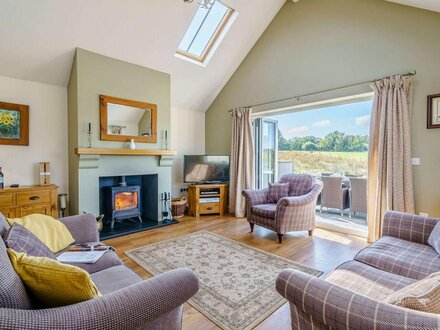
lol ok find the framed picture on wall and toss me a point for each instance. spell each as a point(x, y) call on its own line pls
point(434, 111)
point(14, 124)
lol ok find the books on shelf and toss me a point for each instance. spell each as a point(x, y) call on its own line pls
point(209, 200)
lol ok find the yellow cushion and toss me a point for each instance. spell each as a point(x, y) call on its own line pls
point(50, 231)
point(52, 283)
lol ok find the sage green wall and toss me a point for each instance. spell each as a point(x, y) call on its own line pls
point(93, 75)
point(315, 45)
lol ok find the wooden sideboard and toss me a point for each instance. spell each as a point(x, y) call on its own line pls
point(18, 202)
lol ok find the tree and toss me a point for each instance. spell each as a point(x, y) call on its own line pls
point(334, 141)
point(309, 146)
point(283, 143)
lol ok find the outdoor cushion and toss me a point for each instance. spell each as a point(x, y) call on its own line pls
point(20, 239)
point(265, 210)
point(50, 231)
point(368, 281)
point(114, 278)
point(109, 259)
point(434, 238)
point(300, 184)
point(277, 191)
point(52, 283)
point(401, 257)
point(423, 295)
point(4, 225)
point(12, 291)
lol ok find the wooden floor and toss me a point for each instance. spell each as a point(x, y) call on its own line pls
point(324, 251)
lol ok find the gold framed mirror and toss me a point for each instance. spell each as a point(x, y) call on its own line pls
point(123, 120)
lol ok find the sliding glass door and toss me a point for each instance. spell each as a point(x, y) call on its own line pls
point(266, 151)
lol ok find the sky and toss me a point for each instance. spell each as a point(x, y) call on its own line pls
point(351, 119)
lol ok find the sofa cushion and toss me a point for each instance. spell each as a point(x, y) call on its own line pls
point(434, 238)
point(366, 280)
point(20, 239)
point(4, 225)
point(265, 210)
point(401, 257)
point(12, 290)
point(277, 191)
point(109, 259)
point(300, 184)
point(52, 283)
point(50, 231)
point(114, 278)
point(423, 295)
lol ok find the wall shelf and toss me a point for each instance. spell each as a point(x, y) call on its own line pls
point(124, 152)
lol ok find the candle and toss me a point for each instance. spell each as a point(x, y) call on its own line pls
point(63, 201)
point(166, 134)
point(90, 127)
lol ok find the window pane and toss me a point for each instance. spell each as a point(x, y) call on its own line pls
point(193, 28)
point(207, 30)
point(203, 27)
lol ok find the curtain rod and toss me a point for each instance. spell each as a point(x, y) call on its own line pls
point(411, 73)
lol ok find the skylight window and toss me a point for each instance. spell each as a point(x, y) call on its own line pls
point(206, 31)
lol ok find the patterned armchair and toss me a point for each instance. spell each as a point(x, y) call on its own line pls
point(293, 213)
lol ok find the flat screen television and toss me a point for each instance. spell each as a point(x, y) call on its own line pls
point(206, 169)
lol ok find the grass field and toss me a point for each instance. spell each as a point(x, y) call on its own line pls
point(316, 162)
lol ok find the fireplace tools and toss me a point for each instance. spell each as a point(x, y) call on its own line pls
point(166, 208)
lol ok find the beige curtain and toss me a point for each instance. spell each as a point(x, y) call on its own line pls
point(242, 160)
point(390, 179)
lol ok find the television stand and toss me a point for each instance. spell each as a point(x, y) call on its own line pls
point(207, 199)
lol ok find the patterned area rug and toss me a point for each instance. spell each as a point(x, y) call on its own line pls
point(237, 282)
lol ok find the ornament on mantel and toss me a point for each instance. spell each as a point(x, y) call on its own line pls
point(132, 144)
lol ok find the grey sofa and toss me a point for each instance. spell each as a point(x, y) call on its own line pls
point(353, 296)
point(128, 302)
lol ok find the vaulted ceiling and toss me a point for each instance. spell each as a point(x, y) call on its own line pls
point(38, 39)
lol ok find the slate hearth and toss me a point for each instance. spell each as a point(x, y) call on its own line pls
point(148, 205)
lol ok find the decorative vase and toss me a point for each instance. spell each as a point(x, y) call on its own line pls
point(132, 144)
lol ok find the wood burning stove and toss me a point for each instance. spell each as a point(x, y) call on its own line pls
point(122, 202)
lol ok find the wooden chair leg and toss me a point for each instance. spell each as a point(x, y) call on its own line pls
point(252, 227)
point(280, 238)
point(310, 232)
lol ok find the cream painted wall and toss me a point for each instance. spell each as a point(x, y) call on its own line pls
point(315, 45)
point(47, 133)
point(188, 138)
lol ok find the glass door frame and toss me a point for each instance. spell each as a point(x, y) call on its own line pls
point(258, 124)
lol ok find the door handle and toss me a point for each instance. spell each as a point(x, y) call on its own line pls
point(34, 198)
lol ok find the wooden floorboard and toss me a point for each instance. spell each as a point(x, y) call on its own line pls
point(325, 250)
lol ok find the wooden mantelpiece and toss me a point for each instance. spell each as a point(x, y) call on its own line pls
point(124, 152)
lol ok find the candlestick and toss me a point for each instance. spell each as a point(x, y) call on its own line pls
point(166, 140)
point(89, 136)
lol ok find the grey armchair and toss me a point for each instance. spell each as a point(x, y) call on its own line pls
point(128, 302)
point(293, 213)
